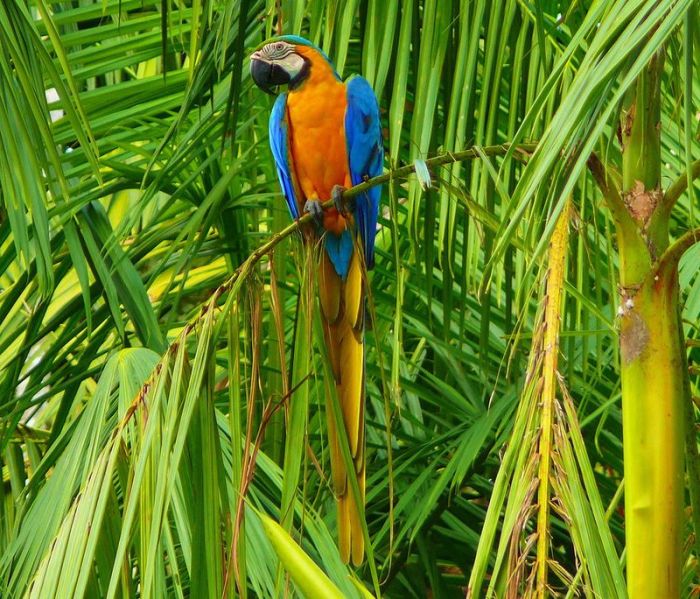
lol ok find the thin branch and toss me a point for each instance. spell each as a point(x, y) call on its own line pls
point(399, 173)
point(675, 252)
point(677, 188)
point(471, 154)
point(610, 192)
point(246, 267)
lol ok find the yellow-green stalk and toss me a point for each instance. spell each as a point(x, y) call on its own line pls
point(550, 346)
point(652, 353)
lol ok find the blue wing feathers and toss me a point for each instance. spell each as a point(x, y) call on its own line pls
point(280, 151)
point(363, 136)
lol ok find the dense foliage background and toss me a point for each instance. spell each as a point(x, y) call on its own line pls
point(145, 381)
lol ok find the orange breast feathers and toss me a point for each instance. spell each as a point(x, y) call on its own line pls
point(316, 128)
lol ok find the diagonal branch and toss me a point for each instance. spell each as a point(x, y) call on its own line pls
point(675, 252)
point(399, 173)
point(611, 194)
point(474, 153)
point(251, 261)
point(676, 188)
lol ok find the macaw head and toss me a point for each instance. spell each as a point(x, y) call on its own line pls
point(285, 60)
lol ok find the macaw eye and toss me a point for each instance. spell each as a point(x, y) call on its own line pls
point(280, 45)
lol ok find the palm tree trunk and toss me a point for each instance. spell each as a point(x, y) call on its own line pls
point(653, 361)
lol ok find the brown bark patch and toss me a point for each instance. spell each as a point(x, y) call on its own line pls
point(642, 202)
point(634, 336)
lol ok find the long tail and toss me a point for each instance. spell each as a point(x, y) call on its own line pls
point(342, 308)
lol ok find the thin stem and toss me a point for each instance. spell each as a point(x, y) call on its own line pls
point(246, 267)
point(675, 252)
point(448, 158)
point(676, 189)
point(610, 192)
point(399, 173)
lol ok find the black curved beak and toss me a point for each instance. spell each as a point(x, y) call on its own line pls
point(267, 75)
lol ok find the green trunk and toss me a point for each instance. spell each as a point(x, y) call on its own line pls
point(652, 355)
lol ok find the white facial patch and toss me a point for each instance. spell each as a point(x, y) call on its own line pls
point(292, 63)
point(275, 50)
point(282, 54)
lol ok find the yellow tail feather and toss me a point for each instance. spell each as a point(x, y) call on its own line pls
point(342, 306)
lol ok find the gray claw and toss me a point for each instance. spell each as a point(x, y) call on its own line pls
point(313, 207)
point(341, 205)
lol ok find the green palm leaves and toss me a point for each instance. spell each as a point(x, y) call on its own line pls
point(159, 389)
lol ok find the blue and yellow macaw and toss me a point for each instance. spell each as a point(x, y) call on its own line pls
point(325, 136)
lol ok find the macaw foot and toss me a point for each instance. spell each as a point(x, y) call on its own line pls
point(341, 204)
point(314, 208)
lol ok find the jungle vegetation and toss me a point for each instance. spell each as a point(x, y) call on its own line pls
point(534, 309)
